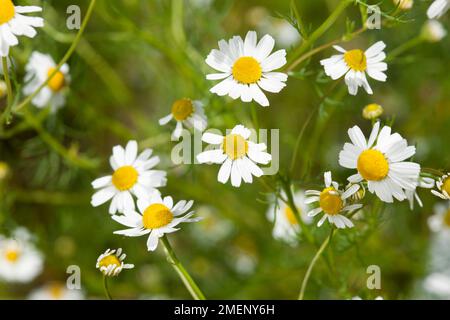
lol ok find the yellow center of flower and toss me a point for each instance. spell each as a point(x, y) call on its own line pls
point(235, 146)
point(247, 70)
point(7, 11)
point(57, 82)
point(124, 178)
point(446, 186)
point(156, 216)
point(290, 216)
point(372, 165)
point(356, 59)
point(12, 255)
point(372, 111)
point(109, 260)
point(182, 109)
point(56, 291)
point(330, 201)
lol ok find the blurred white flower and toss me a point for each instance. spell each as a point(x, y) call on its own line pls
point(286, 226)
point(354, 64)
point(433, 31)
point(20, 261)
point(239, 156)
point(247, 67)
point(380, 162)
point(438, 283)
point(213, 228)
point(4, 170)
point(56, 291)
point(359, 298)
point(440, 220)
point(187, 112)
point(38, 69)
point(13, 23)
point(110, 263)
point(438, 8)
point(156, 217)
point(332, 202)
point(133, 175)
point(443, 186)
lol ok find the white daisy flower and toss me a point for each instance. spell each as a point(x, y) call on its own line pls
point(133, 175)
point(440, 220)
point(443, 185)
point(39, 68)
point(247, 67)
point(438, 8)
point(239, 156)
point(411, 195)
point(13, 23)
point(20, 261)
point(433, 31)
point(56, 291)
point(438, 283)
point(188, 112)
point(354, 64)
point(286, 226)
point(404, 4)
point(332, 202)
point(110, 263)
point(156, 217)
point(380, 162)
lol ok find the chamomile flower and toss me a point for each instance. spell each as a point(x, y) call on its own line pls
point(354, 64)
point(372, 111)
point(433, 31)
point(438, 8)
point(380, 162)
point(247, 67)
point(20, 261)
point(239, 156)
point(286, 226)
point(443, 185)
point(110, 263)
point(440, 220)
point(133, 175)
point(14, 23)
point(411, 195)
point(39, 68)
point(156, 217)
point(56, 291)
point(332, 202)
point(404, 4)
point(188, 112)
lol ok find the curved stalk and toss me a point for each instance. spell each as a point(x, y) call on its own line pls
point(105, 287)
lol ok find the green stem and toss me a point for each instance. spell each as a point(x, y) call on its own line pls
point(404, 47)
point(105, 287)
point(7, 80)
point(190, 284)
point(66, 57)
point(319, 31)
point(312, 263)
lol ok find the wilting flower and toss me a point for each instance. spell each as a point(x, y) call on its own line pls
point(443, 185)
point(286, 226)
point(380, 161)
point(133, 175)
point(239, 156)
point(20, 261)
point(354, 64)
point(440, 220)
point(247, 67)
point(13, 23)
point(404, 4)
point(156, 217)
point(433, 31)
point(39, 68)
point(110, 263)
point(56, 291)
point(411, 195)
point(332, 202)
point(372, 111)
point(187, 112)
point(438, 8)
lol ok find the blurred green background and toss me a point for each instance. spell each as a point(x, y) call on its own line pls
point(135, 59)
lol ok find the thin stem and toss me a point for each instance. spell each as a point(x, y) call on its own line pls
point(404, 47)
point(66, 57)
point(190, 284)
point(7, 80)
point(105, 287)
point(312, 263)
